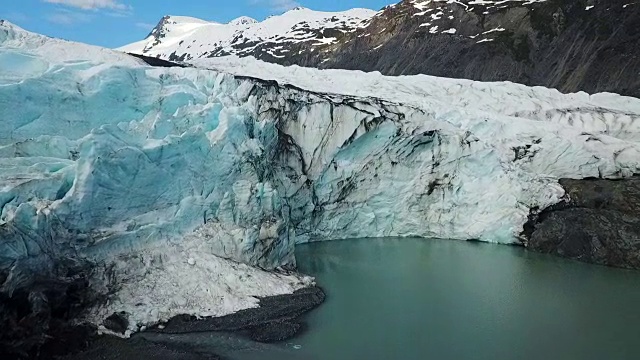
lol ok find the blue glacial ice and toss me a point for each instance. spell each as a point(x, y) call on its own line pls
point(104, 157)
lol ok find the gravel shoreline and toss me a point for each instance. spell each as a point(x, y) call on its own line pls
point(278, 318)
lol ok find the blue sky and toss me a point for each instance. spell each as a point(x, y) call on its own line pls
point(113, 23)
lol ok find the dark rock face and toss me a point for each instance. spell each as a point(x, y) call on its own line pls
point(600, 223)
point(158, 32)
point(117, 322)
point(37, 313)
point(157, 62)
point(557, 44)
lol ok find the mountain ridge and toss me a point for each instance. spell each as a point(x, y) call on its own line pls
point(582, 45)
point(177, 38)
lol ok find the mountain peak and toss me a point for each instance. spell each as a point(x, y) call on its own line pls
point(169, 22)
point(8, 24)
point(182, 38)
point(186, 19)
point(8, 30)
point(243, 20)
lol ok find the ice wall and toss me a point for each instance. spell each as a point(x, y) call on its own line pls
point(126, 156)
point(107, 159)
point(103, 157)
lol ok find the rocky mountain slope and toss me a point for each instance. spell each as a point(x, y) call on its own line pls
point(571, 45)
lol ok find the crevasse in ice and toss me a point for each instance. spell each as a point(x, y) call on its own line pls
point(163, 171)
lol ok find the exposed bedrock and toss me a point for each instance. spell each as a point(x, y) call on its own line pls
point(38, 312)
point(577, 45)
point(599, 222)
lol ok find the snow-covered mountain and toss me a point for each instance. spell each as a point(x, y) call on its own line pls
point(161, 176)
point(579, 45)
point(185, 38)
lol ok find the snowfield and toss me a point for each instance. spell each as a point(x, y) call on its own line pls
point(190, 38)
point(188, 180)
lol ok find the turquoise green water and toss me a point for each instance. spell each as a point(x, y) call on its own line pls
point(438, 299)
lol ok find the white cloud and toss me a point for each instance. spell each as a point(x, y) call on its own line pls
point(63, 16)
point(91, 4)
point(145, 26)
point(68, 17)
point(277, 5)
point(120, 14)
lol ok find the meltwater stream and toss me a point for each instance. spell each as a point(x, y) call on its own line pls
point(411, 299)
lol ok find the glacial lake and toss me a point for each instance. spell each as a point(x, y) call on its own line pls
point(419, 299)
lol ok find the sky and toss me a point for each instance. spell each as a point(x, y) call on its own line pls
point(113, 23)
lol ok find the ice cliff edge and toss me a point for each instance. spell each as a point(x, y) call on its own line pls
point(160, 174)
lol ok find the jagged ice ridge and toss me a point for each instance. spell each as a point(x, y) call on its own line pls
point(182, 179)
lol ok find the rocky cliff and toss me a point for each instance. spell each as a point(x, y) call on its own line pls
point(571, 45)
point(599, 222)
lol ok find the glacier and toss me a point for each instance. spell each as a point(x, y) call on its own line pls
point(192, 184)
